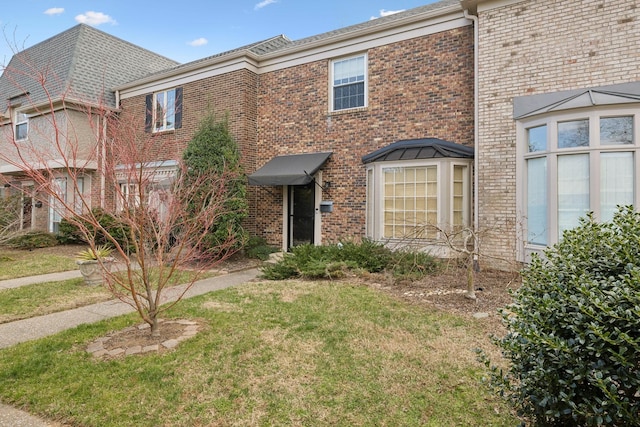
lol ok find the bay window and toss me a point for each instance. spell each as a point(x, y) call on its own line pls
point(572, 163)
point(418, 189)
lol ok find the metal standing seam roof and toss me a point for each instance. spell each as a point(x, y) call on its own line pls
point(293, 169)
point(526, 106)
point(82, 63)
point(413, 149)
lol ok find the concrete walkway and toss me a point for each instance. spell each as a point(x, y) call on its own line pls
point(37, 327)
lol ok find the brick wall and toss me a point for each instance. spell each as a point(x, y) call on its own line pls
point(418, 88)
point(233, 93)
point(533, 47)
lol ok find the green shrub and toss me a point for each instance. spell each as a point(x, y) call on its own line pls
point(214, 152)
point(413, 265)
point(256, 247)
point(369, 255)
point(573, 335)
point(33, 240)
point(282, 270)
point(333, 261)
point(69, 231)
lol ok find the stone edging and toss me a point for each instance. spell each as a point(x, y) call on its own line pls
point(97, 348)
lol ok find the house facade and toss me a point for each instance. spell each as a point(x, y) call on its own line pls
point(512, 118)
point(558, 117)
point(54, 97)
point(305, 113)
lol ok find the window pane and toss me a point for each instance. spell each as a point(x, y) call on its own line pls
point(410, 202)
point(171, 109)
point(616, 130)
point(537, 138)
point(459, 196)
point(159, 113)
point(348, 83)
point(573, 190)
point(21, 131)
point(537, 201)
point(616, 182)
point(57, 203)
point(573, 134)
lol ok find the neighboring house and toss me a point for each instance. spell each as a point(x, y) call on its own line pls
point(312, 115)
point(368, 130)
point(559, 117)
point(45, 93)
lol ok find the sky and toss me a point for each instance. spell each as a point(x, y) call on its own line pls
point(189, 30)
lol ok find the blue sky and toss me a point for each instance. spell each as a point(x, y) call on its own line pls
point(187, 30)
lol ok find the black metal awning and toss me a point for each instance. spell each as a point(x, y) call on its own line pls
point(293, 169)
point(414, 149)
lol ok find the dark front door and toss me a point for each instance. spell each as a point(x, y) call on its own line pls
point(301, 214)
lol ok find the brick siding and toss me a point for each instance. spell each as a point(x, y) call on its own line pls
point(535, 47)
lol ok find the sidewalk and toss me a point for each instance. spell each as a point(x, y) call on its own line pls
point(37, 327)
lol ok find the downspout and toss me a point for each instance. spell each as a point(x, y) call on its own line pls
point(476, 160)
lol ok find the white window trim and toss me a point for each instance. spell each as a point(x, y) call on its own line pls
point(366, 82)
point(164, 127)
point(525, 249)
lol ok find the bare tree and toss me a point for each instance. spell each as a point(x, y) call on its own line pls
point(81, 155)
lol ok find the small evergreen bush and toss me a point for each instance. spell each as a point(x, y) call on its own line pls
point(33, 240)
point(334, 261)
point(69, 232)
point(214, 150)
point(413, 265)
point(257, 247)
point(573, 336)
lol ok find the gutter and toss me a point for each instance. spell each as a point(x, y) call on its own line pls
point(476, 115)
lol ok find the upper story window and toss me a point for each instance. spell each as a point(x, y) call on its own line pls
point(349, 82)
point(164, 110)
point(22, 126)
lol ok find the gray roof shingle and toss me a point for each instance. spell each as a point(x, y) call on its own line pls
point(82, 63)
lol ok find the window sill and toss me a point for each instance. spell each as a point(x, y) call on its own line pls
point(347, 111)
point(162, 132)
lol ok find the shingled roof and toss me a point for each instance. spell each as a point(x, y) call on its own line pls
point(282, 45)
point(375, 23)
point(83, 63)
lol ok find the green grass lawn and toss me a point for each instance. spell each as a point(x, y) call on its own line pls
point(50, 297)
point(277, 353)
point(19, 263)
point(44, 298)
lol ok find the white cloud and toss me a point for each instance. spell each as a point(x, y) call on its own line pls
point(198, 42)
point(384, 13)
point(264, 3)
point(54, 11)
point(95, 18)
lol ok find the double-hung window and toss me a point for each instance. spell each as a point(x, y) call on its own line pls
point(21, 126)
point(574, 163)
point(164, 110)
point(349, 83)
